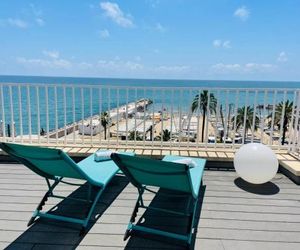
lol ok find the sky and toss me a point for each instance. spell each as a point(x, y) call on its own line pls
point(162, 39)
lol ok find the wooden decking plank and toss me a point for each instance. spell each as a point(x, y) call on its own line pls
point(250, 235)
point(231, 218)
point(292, 165)
point(239, 244)
point(92, 150)
point(74, 150)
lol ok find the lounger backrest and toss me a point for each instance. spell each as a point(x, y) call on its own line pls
point(143, 171)
point(46, 162)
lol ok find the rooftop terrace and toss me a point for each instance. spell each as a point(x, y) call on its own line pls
point(153, 122)
point(232, 216)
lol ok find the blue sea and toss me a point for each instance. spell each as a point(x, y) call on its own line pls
point(82, 103)
point(149, 82)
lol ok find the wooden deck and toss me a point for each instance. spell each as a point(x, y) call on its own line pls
point(290, 165)
point(233, 215)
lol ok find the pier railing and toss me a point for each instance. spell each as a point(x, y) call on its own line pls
point(152, 117)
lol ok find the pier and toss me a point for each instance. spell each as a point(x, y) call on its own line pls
point(91, 126)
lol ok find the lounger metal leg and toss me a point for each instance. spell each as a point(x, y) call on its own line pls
point(139, 203)
point(49, 193)
point(140, 198)
point(187, 237)
point(31, 221)
point(90, 211)
point(43, 201)
point(127, 234)
point(135, 211)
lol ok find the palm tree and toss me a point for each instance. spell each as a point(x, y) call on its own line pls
point(135, 135)
point(105, 120)
point(151, 132)
point(223, 124)
point(202, 104)
point(287, 109)
point(166, 135)
point(249, 119)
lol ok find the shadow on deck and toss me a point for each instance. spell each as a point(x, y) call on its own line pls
point(268, 188)
point(166, 222)
point(64, 234)
point(233, 215)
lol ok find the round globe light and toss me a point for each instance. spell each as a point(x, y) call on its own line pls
point(255, 163)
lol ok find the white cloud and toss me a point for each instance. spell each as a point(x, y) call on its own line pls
point(217, 43)
point(282, 57)
point(118, 64)
point(38, 13)
point(56, 63)
point(16, 22)
point(35, 14)
point(40, 21)
point(133, 65)
point(176, 68)
point(104, 33)
point(243, 68)
point(160, 28)
point(221, 68)
point(243, 13)
point(52, 63)
point(259, 67)
point(52, 60)
point(85, 65)
point(113, 11)
point(222, 44)
point(62, 63)
point(153, 3)
point(51, 53)
point(227, 44)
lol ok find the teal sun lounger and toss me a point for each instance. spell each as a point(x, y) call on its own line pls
point(54, 164)
point(144, 173)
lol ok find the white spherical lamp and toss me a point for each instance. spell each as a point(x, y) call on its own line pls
point(255, 163)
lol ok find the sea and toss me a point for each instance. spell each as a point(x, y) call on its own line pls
point(149, 82)
point(70, 99)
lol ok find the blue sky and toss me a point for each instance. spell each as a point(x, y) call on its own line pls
point(178, 39)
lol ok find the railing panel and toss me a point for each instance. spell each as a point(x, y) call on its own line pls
point(295, 140)
point(38, 113)
point(157, 117)
point(291, 144)
point(29, 113)
point(47, 112)
point(272, 119)
point(11, 114)
point(20, 113)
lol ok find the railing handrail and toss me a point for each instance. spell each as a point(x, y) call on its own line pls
point(147, 87)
